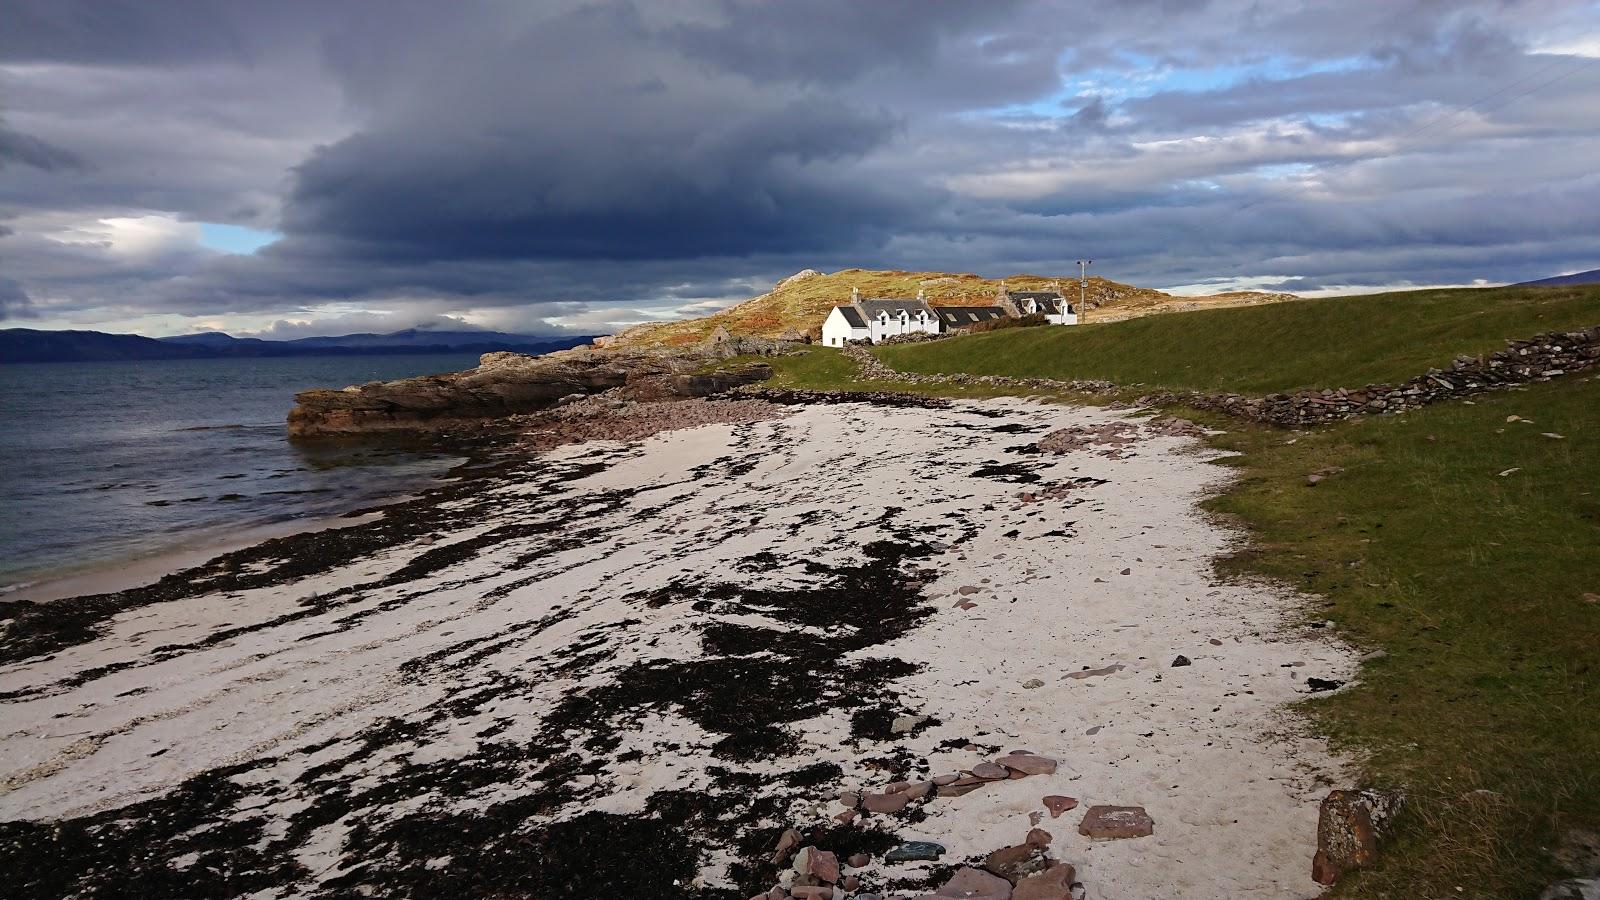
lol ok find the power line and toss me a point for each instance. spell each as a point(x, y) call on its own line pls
point(1535, 88)
point(1459, 110)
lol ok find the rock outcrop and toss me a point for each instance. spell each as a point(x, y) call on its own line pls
point(505, 384)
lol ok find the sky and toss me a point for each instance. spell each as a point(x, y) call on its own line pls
point(294, 168)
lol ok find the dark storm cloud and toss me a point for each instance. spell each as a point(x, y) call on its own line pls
point(572, 159)
point(21, 149)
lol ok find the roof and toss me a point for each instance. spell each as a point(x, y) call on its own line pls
point(851, 317)
point(962, 316)
point(1050, 300)
point(892, 307)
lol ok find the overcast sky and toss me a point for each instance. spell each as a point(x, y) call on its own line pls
point(296, 168)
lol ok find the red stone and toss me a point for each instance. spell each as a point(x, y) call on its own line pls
point(886, 803)
point(1051, 884)
point(990, 772)
point(1109, 822)
point(1058, 804)
point(1028, 764)
point(976, 883)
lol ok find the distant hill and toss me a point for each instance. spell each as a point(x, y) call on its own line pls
point(1590, 277)
point(801, 301)
point(34, 345)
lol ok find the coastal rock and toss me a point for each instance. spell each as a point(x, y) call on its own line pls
point(886, 803)
point(960, 789)
point(906, 724)
point(989, 771)
point(1349, 826)
point(820, 864)
point(1112, 822)
point(505, 384)
point(1028, 764)
point(1058, 804)
point(914, 851)
point(1015, 863)
point(1054, 883)
point(976, 884)
point(789, 840)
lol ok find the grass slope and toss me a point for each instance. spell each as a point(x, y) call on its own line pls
point(1480, 589)
point(1336, 342)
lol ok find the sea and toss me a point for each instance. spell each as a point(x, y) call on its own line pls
point(103, 463)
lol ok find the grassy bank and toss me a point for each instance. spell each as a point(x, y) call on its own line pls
point(1457, 545)
point(1336, 342)
point(1473, 585)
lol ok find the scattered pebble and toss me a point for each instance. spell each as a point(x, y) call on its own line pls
point(1058, 804)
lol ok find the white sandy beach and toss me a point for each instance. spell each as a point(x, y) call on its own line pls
point(345, 704)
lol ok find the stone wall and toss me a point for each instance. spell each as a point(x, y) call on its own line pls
point(1538, 358)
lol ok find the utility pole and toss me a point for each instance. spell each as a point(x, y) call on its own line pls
point(1083, 290)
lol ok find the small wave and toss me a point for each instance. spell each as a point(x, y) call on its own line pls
point(233, 427)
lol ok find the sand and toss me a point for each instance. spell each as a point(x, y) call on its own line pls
point(672, 650)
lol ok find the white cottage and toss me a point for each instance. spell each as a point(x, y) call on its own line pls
point(1054, 307)
point(875, 320)
point(843, 324)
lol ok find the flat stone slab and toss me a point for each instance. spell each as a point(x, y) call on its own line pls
point(1107, 822)
point(976, 884)
point(1028, 764)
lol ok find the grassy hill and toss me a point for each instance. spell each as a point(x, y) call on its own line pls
point(1335, 342)
point(801, 301)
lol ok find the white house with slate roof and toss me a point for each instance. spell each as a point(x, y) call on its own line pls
point(1051, 304)
point(875, 320)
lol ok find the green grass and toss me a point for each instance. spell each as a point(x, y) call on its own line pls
point(1473, 585)
point(818, 368)
point(1478, 588)
point(1336, 342)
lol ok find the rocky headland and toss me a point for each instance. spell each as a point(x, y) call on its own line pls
point(508, 384)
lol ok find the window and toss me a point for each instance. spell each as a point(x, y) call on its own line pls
point(972, 316)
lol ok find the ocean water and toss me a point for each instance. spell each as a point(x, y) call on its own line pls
point(110, 461)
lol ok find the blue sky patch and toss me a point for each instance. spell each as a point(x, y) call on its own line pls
point(235, 238)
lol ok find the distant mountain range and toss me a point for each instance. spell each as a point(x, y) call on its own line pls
point(33, 345)
point(1590, 277)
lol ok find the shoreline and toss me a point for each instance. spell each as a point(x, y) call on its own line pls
point(691, 642)
point(111, 576)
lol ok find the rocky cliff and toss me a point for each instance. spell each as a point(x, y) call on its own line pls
point(505, 384)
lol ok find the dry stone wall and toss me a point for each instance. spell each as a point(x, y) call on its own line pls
point(1538, 358)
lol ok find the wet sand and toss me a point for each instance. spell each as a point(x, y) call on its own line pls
point(192, 551)
point(624, 669)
